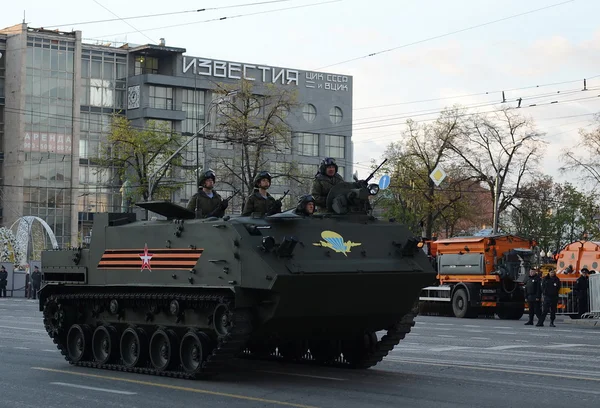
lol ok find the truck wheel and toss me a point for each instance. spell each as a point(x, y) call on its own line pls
point(460, 303)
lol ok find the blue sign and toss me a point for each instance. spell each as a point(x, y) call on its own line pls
point(384, 182)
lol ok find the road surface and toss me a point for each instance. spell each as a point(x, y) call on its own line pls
point(444, 362)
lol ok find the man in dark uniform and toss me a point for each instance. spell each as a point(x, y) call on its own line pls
point(36, 281)
point(3, 281)
point(306, 205)
point(550, 289)
point(260, 201)
point(533, 294)
point(581, 289)
point(326, 178)
point(209, 201)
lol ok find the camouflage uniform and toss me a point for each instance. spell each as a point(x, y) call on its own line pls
point(256, 203)
point(207, 204)
point(321, 187)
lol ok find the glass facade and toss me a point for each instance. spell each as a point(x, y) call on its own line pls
point(102, 94)
point(47, 142)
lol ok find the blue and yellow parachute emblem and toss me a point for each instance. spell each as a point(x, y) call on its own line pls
point(336, 242)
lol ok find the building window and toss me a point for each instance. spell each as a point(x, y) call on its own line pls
point(308, 144)
point(335, 115)
point(193, 105)
point(309, 112)
point(279, 171)
point(341, 171)
point(146, 65)
point(335, 146)
point(161, 97)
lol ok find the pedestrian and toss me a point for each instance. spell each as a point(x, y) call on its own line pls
point(581, 290)
point(550, 291)
point(533, 295)
point(3, 281)
point(36, 281)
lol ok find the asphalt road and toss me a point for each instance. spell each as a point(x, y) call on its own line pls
point(444, 362)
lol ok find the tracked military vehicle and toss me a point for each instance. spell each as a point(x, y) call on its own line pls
point(183, 296)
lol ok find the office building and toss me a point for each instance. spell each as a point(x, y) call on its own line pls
point(57, 96)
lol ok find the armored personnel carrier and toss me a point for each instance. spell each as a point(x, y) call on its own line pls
point(183, 296)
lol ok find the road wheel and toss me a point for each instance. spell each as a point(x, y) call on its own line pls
point(460, 304)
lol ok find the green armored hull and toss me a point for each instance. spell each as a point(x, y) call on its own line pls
point(183, 296)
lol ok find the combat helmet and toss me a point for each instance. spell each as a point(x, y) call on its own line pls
point(262, 175)
point(302, 201)
point(326, 162)
point(208, 174)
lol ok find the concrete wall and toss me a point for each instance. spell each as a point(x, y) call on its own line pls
point(14, 125)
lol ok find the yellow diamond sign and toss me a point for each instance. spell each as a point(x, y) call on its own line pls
point(438, 175)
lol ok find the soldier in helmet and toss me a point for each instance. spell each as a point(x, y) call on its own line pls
point(208, 200)
point(326, 178)
point(260, 201)
point(306, 205)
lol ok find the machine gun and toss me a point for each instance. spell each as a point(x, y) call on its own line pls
point(280, 200)
point(353, 197)
point(365, 182)
point(227, 200)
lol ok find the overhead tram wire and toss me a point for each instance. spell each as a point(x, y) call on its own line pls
point(353, 126)
point(445, 35)
point(476, 94)
point(114, 14)
point(227, 18)
point(168, 13)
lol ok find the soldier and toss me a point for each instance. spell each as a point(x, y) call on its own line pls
point(550, 289)
point(36, 281)
point(581, 289)
point(306, 205)
point(326, 178)
point(208, 201)
point(3, 281)
point(533, 294)
point(260, 201)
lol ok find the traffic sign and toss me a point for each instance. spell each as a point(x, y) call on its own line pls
point(384, 182)
point(438, 175)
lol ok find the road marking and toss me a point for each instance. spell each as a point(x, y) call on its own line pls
point(502, 370)
point(566, 331)
point(445, 335)
point(505, 332)
point(21, 348)
point(501, 327)
point(470, 325)
point(449, 348)
point(444, 324)
point(522, 341)
point(559, 346)
point(23, 328)
point(507, 347)
point(474, 331)
point(85, 387)
point(303, 375)
point(480, 338)
point(175, 387)
point(51, 351)
point(538, 334)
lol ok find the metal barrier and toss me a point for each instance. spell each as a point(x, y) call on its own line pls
point(594, 296)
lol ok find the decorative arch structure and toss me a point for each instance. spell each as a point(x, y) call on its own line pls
point(24, 232)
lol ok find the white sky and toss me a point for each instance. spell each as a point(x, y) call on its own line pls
point(550, 46)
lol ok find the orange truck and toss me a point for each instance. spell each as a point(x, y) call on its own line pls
point(478, 275)
point(570, 260)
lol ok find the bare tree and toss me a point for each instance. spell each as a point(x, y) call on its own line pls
point(423, 148)
point(252, 125)
point(584, 158)
point(500, 149)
